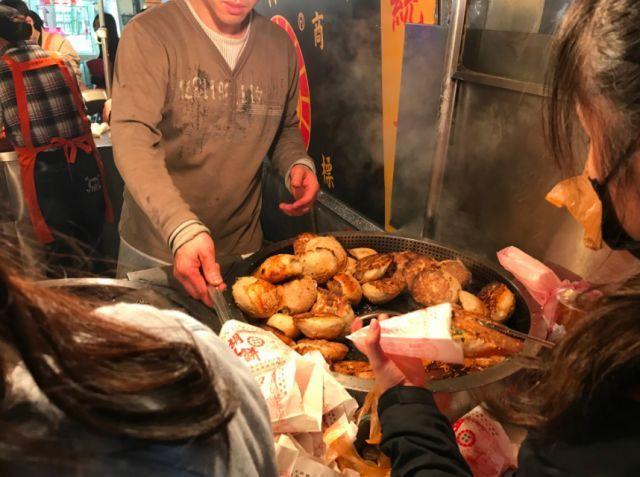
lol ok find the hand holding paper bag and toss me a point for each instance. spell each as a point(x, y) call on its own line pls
point(397, 346)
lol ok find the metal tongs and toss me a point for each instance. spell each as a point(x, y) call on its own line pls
point(505, 330)
point(220, 304)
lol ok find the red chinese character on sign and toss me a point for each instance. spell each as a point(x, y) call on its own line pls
point(249, 354)
point(402, 12)
point(235, 340)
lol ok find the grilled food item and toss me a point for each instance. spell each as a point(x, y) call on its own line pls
point(414, 265)
point(402, 259)
point(359, 369)
point(373, 267)
point(458, 270)
point(332, 303)
point(351, 266)
point(330, 350)
point(320, 264)
point(258, 298)
point(298, 296)
point(320, 325)
point(329, 243)
point(279, 334)
point(478, 341)
point(433, 286)
point(483, 363)
point(285, 324)
point(279, 268)
point(300, 243)
point(347, 286)
point(361, 252)
point(384, 290)
point(472, 303)
point(499, 301)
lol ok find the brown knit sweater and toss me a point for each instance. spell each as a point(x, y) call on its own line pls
point(189, 134)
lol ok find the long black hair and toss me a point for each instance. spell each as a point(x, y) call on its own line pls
point(13, 25)
point(596, 68)
point(112, 34)
point(585, 385)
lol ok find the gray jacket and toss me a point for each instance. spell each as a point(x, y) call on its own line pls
point(245, 449)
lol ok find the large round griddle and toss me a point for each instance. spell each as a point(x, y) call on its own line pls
point(483, 273)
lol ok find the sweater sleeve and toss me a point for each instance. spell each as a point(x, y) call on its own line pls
point(417, 437)
point(288, 147)
point(140, 86)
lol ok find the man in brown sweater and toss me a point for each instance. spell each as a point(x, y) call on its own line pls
point(203, 91)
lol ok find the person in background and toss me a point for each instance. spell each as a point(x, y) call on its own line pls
point(581, 401)
point(51, 42)
point(192, 119)
point(43, 114)
point(96, 67)
point(122, 390)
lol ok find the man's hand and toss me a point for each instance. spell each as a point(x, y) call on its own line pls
point(304, 187)
point(195, 267)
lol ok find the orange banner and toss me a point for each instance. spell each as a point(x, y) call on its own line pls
point(395, 14)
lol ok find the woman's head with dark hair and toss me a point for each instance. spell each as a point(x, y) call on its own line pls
point(13, 25)
point(596, 74)
point(33, 18)
point(109, 376)
point(590, 381)
point(112, 33)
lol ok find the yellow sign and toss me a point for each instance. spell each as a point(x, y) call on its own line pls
point(327, 172)
point(318, 30)
point(395, 14)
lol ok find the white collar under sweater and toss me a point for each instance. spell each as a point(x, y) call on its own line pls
point(229, 48)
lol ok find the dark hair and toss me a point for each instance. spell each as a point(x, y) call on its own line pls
point(596, 67)
point(110, 376)
point(112, 34)
point(584, 384)
point(13, 25)
point(19, 5)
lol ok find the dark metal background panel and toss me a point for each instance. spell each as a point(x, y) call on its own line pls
point(498, 175)
point(519, 56)
point(422, 70)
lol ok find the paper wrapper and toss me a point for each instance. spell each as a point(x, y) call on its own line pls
point(541, 282)
point(424, 334)
point(582, 202)
point(293, 460)
point(484, 444)
point(299, 390)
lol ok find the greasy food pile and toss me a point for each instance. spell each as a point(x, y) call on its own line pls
point(307, 299)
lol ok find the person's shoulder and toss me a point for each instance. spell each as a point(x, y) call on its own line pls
point(269, 30)
point(157, 20)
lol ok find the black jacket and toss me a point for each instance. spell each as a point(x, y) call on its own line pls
point(420, 442)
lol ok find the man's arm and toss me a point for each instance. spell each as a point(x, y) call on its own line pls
point(139, 93)
point(288, 153)
point(288, 148)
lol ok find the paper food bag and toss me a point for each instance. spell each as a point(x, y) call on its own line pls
point(484, 444)
point(291, 385)
point(582, 202)
point(424, 334)
point(544, 285)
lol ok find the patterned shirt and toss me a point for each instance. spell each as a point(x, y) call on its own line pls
point(52, 110)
